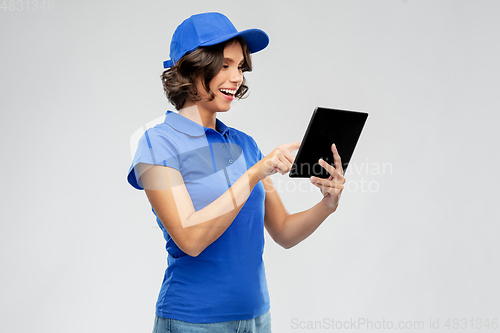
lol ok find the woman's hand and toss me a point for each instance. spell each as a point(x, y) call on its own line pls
point(331, 187)
point(279, 160)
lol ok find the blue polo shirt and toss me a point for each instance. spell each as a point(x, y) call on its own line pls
point(226, 281)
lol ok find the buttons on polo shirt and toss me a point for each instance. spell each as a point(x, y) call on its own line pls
point(230, 161)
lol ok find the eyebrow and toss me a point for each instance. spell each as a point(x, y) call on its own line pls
point(231, 60)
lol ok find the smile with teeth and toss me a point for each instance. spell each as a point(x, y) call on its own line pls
point(229, 92)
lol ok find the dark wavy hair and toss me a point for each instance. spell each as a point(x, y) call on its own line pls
point(179, 81)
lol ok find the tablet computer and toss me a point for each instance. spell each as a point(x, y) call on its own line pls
point(327, 126)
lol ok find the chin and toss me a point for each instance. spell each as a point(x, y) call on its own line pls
point(225, 109)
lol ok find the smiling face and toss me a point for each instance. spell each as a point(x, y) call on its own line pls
point(225, 84)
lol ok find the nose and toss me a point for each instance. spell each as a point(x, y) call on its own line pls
point(236, 76)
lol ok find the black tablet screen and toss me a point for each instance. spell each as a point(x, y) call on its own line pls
point(327, 126)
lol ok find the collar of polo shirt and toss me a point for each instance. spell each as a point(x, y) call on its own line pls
point(191, 128)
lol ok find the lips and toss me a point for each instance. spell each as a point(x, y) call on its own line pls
point(228, 92)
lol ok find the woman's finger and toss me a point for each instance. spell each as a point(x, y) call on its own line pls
point(337, 160)
point(334, 173)
point(285, 156)
point(327, 190)
point(292, 146)
point(279, 160)
point(326, 184)
point(283, 167)
point(280, 166)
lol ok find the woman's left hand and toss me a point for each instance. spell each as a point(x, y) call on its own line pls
point(331, 187)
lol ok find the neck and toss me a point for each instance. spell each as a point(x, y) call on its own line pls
point(199, 116)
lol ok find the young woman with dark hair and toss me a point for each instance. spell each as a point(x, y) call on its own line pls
point(209, 188)
point(204, 63)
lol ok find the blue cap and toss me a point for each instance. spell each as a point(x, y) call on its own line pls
point(209, 29)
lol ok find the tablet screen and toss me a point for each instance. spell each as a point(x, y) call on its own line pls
point(327, 126)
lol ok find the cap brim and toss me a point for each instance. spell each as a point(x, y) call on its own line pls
point(168, 63)
point(256, 39)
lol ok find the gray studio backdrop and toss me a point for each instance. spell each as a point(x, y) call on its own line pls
point(414, 243)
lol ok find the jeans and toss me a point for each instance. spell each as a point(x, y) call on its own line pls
point(261, 324)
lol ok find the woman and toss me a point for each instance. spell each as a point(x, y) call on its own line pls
point(209, 188)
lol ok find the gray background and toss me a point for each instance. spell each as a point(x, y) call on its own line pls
point(415, 237)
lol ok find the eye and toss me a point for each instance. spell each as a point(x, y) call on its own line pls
point(243, 67)
point(225, 66)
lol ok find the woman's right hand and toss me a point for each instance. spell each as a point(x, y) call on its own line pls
point(279, 160)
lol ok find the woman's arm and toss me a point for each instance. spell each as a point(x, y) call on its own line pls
point(194, 230)
point(289, 230)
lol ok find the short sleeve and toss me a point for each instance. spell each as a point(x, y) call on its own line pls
point(154, 148)
point(260, 155)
